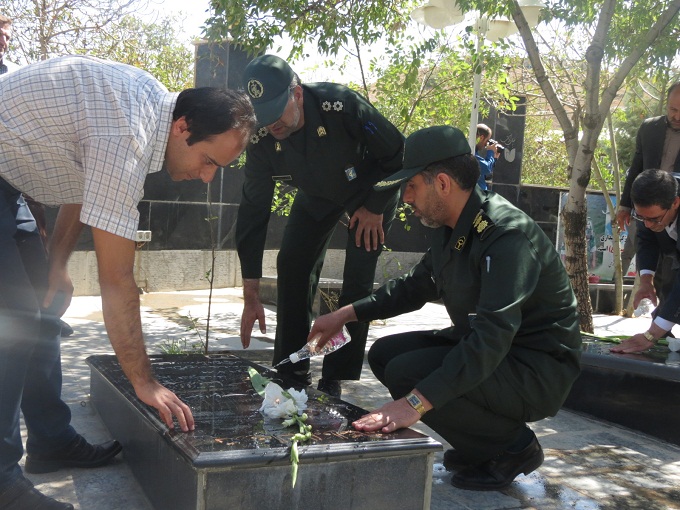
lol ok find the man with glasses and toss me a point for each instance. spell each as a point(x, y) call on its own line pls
point(656, 202)
point(333, 146)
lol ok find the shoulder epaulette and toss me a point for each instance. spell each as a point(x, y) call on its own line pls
point(261, 133)
point(482, 225)
point(335, 105)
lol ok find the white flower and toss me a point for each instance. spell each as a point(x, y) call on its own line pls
point(300, 398)
point(282, 404)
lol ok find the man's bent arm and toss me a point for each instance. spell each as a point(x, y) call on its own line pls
point(64, 236)
point(120, 304)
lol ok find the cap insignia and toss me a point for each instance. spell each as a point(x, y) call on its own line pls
point(255, 89)
point(384, 184)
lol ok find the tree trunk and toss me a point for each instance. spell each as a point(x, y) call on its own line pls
point(576, 262)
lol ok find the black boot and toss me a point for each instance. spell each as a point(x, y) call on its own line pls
point(499, 472)
point(330, 386)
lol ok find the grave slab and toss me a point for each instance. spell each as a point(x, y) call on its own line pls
point(238, 459)
point(639, 391)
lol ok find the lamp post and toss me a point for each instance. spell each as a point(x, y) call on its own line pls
point(439, 14)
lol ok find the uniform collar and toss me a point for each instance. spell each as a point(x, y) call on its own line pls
point(459, 236)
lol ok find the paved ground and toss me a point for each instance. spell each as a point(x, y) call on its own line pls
point(589, 464)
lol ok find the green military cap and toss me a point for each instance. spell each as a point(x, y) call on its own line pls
point(424, 147)
point(266, 80)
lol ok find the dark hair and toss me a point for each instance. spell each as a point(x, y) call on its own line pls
point(671, 89)
point(463, 169)
point(211, 111)
point(483, 130)
point(654, 187)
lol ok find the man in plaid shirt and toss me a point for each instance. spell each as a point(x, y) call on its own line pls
point(83, 134)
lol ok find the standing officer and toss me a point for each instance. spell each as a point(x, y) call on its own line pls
point(331, 144)
point(513, 351)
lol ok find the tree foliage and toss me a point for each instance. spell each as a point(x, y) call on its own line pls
point(111, 29)
point(149, 46)
point(257, 24)
point(46, 28)
point(579, 70)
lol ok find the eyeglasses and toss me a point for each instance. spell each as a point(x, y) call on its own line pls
point(654, 221)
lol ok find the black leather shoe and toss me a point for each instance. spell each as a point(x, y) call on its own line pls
point(78, 453)
point(330, 386)
point(300, 377)
point(21, 495)
point(454, 461)
point(66, 329)
point(499, 472)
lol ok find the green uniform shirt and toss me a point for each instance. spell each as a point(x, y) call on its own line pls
point(344, 147)
point(508, 296)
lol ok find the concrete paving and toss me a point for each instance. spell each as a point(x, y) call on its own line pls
point(589, 464)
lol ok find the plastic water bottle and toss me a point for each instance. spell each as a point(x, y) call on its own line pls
point(643, 308)
point(310, 349)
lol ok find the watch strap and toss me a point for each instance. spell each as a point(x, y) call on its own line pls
point(649, 337)
point(416, 403)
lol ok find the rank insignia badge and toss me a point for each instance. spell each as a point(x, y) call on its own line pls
point(351, 173)
point(482, 225)
point(460, 243)
point(321, 131)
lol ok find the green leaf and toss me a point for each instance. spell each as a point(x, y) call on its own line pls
point(258, 381)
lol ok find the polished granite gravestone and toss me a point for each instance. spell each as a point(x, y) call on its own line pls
point(237, 459)
point(639, 391)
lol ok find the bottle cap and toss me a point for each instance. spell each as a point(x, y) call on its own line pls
point(294, 358)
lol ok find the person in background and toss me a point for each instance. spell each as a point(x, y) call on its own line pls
point(332, 145)
point(655, 206)
point(5, 35)
point(513, 351)
point(486, 153)
point(657, 146)
point(84, 133)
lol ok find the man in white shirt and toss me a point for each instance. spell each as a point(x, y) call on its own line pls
point(83, 134)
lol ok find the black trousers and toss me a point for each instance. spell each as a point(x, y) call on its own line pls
point(30, 359)
point(299, 264)
point(479, 424)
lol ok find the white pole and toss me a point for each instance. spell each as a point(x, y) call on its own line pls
point(477, 83)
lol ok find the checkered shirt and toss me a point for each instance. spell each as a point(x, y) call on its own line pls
point(79, 130)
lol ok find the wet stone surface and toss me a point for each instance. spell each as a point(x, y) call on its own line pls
point(218, 390)
point(659, 354)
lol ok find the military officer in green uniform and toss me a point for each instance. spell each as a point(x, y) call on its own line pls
point(514, 348)
point(331, 144)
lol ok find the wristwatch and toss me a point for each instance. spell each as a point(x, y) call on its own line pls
point(416, 403)
point(649, 337)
